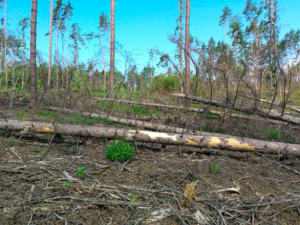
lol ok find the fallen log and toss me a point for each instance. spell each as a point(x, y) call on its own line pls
point(232, 144)
point(190, 109)
point(245, 109)
point(142, 124)
point(291, 107)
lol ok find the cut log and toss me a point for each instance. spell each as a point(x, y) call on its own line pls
point(232, 144)
point(251, 110)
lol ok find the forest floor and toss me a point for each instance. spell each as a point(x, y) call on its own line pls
point(70, 181)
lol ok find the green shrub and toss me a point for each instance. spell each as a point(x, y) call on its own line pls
point(272, 134)
point(80, 172)
point(10, 142)
point(119, 150)
point(214, 168)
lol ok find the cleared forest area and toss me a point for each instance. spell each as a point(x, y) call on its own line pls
point(206, 134)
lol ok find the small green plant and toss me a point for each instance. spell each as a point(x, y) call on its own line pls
point(80, 172)
point(68, 184)
point(211, 116)
point(10, 142)
point(92, 121)
point(43, 153)
point(119, 150)
point(214, 168)
point(103, 141)
point(21, 116)
point(272, 134)
point(35, 149)
point(133, 197)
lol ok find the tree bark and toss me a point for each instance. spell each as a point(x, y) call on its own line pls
point(187, 49)
point(222, 143)
point(112, 50)
point(257, 111)
point(50, 44)
point(33, 75)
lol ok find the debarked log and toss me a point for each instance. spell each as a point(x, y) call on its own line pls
point(232, 143)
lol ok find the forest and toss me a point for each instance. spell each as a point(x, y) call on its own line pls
point(207, 133)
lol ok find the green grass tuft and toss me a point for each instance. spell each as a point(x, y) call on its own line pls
point(121, 150)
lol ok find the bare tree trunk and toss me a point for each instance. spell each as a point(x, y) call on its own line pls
point(180, 43)
point(5, 49)
point(187, 49)
point(67, 55)
point(216, 142)
point(57, 54)
point(50, 44)
point(24, 60)
point(33, 76)
point(112, 50)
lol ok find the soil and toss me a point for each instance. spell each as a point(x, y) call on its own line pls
point(39, 185)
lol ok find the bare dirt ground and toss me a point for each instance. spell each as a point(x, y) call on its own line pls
point(39, 185)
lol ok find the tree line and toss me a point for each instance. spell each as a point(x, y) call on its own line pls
point(253, 60)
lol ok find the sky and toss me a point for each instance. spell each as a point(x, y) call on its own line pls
point(143, 24)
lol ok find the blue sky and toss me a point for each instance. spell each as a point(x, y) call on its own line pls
point(142, 25)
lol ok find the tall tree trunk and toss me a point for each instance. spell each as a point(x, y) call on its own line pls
point(67, 55)
point(62, 60)
point(5, 60)
point(227, 55)
point(180, 43)
point(24, 59)
point(57, 54)
point(33, 76)
point(50, 44)
point(112, 50)
point(187, 49)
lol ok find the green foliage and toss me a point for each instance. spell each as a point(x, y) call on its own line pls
point(68, 184)
point(46, 114)
point(211, 129)
point(169, 83)
point(35, 149)
point(272, 134)
point(214, 168)
point(21, 116)
point(80, 172)
point(25, 100)
point(211, 116)
point(10, 142)
point(121, 150)
point(133, 197)
point(92, 121)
